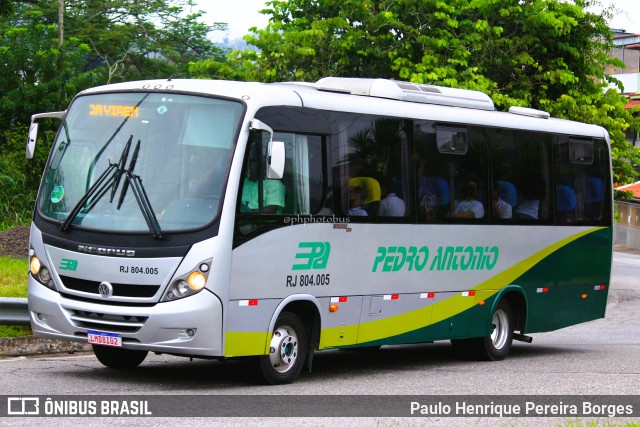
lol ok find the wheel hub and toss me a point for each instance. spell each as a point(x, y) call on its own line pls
point(499, 335)
point(284, 349)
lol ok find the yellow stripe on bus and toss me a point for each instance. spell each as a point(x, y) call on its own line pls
point(257, 343)
point(246, 343)
point(423, 317)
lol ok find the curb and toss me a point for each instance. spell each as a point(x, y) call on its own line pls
point(29, 346)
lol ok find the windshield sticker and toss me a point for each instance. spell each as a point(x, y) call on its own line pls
point(57, 194)
point(162, 109)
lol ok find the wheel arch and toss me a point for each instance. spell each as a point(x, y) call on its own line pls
point(517, 299)
point(307, 308)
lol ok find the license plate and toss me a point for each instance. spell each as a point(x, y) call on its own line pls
point(104, 338)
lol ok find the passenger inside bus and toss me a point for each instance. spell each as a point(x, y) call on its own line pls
point(530, 193)
point(503, 208)
point(468, 205)
point(355, 201)
point(391, 204)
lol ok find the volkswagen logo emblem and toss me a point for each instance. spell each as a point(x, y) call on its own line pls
point(105, 289)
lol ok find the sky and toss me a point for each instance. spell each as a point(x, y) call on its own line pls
point(239, 14)
point(243, 14)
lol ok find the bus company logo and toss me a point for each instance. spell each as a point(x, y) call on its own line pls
point(444, 258)
point(97, 250)
point(68, 264)
point(316, 255)
point(23, 406)
point(105, 289)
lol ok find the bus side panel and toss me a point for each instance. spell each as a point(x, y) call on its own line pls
point(438, 316)
point(560, 307)
point(340, 327)
point(577, 290)
point(247, 332)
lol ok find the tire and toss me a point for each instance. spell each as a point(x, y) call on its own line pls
point(497, 345)
point(119, 358)
point(288, 351)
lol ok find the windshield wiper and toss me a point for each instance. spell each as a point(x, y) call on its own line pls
point(110, 179)
point(100, 187)
point(140, 194)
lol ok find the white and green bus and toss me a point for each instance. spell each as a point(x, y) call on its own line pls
point(219, 219)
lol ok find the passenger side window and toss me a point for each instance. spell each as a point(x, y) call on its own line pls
point(369, 168)
point(520, 176)
point(450, 168)
point(580, 184)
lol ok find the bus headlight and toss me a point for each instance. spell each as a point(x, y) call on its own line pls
point(35, 265)
point(196, 280)
point(188, 284)
point(41, 273)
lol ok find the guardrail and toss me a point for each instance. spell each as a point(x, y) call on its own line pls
point(14, 311)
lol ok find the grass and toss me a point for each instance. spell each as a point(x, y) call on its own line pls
point(13, 284)
point(13, 277)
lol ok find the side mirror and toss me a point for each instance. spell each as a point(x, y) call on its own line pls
point(31, 140)
point(33, 129)
point(275, 160)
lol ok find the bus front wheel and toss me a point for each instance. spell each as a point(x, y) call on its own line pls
point(287, 351)
point(119, 358)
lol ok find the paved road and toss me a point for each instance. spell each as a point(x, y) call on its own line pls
point(599, 357)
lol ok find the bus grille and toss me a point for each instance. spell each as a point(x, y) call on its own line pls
point(119, 289)
point(106, 322)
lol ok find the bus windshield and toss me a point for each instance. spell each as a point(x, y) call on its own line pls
point(140, 162)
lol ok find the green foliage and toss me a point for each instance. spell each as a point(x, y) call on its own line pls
point(37, 75)
point(19, 177)
point(14, 331)
point(547, 54)
point(104, 41)
point(13, 277)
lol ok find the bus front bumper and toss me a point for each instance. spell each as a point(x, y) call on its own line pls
point(191, 326)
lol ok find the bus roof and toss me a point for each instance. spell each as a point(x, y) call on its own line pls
point(370, 96)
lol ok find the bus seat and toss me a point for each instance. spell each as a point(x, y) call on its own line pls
point(435, 187)
point(565, 198)
point(593, 197)
point(565, 203)
point(433, 198)
point(594, 190)
point(371, 193)
point(507, 192)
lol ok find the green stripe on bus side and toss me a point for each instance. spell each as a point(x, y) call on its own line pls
point(424, 317)
point(411, 326)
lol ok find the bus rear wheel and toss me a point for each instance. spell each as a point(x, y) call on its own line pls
point(497, 345)
point(119, 358)
point(287, 351)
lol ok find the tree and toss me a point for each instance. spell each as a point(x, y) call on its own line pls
point(547, 54)
point(138, 39)
point(37, 75)
point(104, 41)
